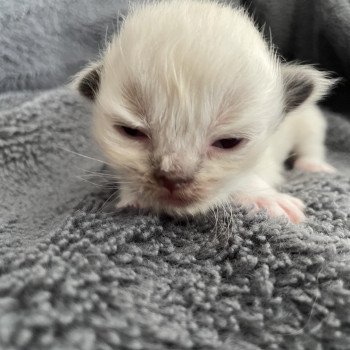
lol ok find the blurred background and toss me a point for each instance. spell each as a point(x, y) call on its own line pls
point(43, 42)
point(310, 31)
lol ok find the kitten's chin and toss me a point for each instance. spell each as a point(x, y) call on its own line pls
point(173, 206)
point(184, 209)
point(177, 201)
point(180, 206)
point(182, 203)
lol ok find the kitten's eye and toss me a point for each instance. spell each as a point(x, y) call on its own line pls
point(227, 143)
point(130, 132)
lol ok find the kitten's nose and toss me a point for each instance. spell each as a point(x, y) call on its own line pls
point(172, 183)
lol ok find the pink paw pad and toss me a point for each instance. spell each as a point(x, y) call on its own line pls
point(276, 205)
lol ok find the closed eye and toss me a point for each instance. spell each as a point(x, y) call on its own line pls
point(227, 144)
point(132, 133)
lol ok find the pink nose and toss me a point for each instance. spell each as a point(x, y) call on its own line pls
point(172, 184)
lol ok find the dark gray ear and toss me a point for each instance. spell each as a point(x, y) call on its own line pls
point(87, 81)
point(302, 83)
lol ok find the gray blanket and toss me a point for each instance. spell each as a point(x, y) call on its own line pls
point(74, 274)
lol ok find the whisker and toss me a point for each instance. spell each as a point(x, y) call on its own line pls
point(216, 214)
point(108, 200)
point(231, 217)
point(106, 180)
point(99, 174)
point(84, 156)
point(90, 182)
point(227, 216)
point(216, 219)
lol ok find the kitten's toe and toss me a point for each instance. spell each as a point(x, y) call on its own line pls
point(276, 205)
point(292, 207)
point(313, 165)
point(298, 202)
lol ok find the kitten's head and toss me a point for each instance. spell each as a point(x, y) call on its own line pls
point(185, 100)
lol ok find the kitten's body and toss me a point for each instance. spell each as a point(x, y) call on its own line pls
point(194, 110)
point(301, 135)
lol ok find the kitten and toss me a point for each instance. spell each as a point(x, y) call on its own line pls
point(194, 110)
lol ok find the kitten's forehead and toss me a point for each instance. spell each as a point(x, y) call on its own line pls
point(182, 75)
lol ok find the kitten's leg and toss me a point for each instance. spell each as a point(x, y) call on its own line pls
point(259, 195)
point(310, 130)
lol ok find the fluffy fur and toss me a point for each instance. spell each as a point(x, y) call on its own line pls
point(186, 74)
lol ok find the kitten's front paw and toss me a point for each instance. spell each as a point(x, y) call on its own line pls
point(276, 204)
point(313, 165)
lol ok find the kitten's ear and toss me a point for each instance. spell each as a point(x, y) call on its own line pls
point(302, 83)
point(87, 81)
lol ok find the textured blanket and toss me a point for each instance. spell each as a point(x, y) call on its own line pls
point(74, 274)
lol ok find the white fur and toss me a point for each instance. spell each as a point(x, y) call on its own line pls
point(198, 71)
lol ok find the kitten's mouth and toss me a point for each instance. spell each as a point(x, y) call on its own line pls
point(177, 200)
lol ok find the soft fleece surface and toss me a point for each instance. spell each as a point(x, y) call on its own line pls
point(74, 274)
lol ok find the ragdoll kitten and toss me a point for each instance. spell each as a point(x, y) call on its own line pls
point(193, 110)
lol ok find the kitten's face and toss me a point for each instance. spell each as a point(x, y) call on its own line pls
point(181, 154)
point(185, 100)
point(182, 119)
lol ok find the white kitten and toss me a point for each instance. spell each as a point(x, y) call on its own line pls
point(194, 110)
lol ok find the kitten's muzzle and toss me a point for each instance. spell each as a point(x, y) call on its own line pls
point(172, 183)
